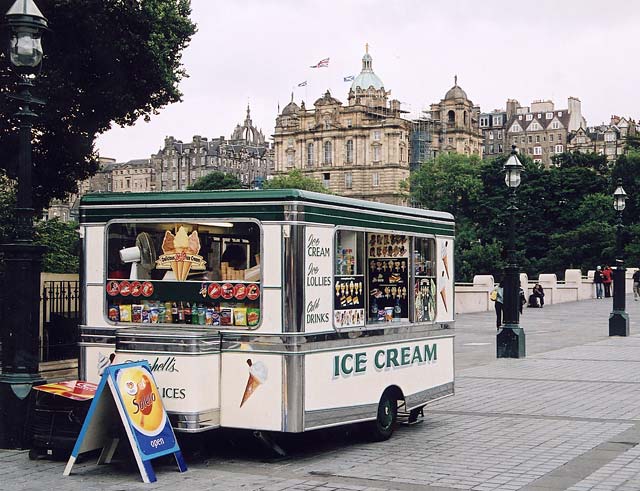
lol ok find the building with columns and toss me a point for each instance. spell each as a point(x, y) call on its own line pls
point(359, 150)
point(456, 124)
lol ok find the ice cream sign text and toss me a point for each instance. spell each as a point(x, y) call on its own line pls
point(384, 359)
point(318, 277)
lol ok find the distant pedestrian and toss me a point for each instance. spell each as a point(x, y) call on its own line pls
point(522, 300)
point(538, 295)
point(496, 296)
point(607, 280)
point(598, 280)
point(636, 284)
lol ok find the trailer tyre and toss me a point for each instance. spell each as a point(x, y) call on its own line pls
point(382, 428)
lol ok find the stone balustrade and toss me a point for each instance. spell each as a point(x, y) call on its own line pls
point(474, 297)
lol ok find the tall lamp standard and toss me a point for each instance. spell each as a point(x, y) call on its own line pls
point(510, 341)
point(619, 319)
point(20, 327)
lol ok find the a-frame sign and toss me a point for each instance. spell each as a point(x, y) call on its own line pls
point(128, 395)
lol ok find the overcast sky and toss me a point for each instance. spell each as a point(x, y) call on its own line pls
point(258, 51)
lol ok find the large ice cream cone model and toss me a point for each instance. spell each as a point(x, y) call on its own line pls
point(257, 376)
point(180, 253)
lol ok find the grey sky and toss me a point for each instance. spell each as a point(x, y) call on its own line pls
point(258, 51)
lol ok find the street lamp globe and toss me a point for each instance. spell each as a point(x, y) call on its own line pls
point(512, 169)
point(26, 23)
point(619, 197)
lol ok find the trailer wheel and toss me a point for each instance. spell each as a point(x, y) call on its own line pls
point(382, 428)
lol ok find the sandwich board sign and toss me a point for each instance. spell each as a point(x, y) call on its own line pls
point(128, 395)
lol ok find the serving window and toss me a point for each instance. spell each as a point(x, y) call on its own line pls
point(199, 273)
point(425, 279)
point(349, 301)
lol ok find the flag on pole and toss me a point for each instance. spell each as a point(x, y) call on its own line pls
point(349, 78)
point(321, 64)
point(302, 84)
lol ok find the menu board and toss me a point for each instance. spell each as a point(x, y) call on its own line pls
point(388, 277)
point(349, 301)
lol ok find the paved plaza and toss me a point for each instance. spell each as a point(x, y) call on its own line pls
point(563, 418)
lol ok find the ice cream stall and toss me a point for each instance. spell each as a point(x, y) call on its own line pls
point(279, 310)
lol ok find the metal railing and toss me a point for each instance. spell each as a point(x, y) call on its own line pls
point(60, 304)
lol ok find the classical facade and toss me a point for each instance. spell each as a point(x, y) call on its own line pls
point(360, 150)
point(606, 139)
point(456, 124)
point(246, 155)
point(134, 176)
point(541, 131)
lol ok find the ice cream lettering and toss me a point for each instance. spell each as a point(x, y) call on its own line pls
point(257, 376)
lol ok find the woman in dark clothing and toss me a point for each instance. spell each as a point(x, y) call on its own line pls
point(598, 280)
point(538, 293)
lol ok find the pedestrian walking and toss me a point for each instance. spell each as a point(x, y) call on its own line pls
point(636, 284)
point(496, 296)
point(522, 299)
point(598, 280)
point(607, 280)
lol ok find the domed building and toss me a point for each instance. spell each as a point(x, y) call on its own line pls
point(359, 150)
point(456, 123)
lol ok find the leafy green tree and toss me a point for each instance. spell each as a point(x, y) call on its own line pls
point(591, 160)
point(216, 180)
point(63, 245)
point(7, 203)
point(296, 180)
point(105, 62)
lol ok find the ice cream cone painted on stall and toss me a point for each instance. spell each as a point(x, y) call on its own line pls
point(257, 376)
point(443, 294)
point(445, 257)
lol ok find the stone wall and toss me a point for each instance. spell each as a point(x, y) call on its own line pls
point(474, 297)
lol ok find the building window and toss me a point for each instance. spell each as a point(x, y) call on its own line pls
point(530, 139)
point(497, 120)
point(559, 148)
point(559, 137)
point(609, 137)
point(349, 151)
point(555, 125)
point(328, 151)
point(537, 150)
point(491, 135)
point(326, 177)
point(348, 180)
point(309, 154)
point(376, 135)
point(376, 153)
point(549, 116)
point(537, 138)
point(375, 179)
point(515, 140)
point(559, 114)
point(522, 139)
point(581, 139)
point(529, 117)
point(490, 148)
point(499, 134)
point(290, 159)
point(349, 123)
point(401, 154)
point(539, 115)
point(484, 121)
point(450, 140)
point(537, 161)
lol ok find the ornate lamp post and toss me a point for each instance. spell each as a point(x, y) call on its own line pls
point(20, 328)
point(619, 319)
point(510, 341)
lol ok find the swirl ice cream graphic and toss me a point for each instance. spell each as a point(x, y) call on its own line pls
point(444, 254)
point(181, 253)
point(257, 376)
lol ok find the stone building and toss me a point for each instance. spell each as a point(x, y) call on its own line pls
point(606, 139)
point(456, 123)
point(134, 176)
point(541, 131)
point(360, 149)
point(246, 155)
point(493, 127)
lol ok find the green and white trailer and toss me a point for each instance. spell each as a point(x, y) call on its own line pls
point(278, 310)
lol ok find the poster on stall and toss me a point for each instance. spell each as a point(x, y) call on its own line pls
point(128, 395)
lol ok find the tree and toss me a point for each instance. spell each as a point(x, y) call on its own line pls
point(216, 180)
point(63, 245)
point(105, 62)
point(591, 160)
point(296, 180)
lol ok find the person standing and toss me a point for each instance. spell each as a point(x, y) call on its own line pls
point(636, 284)
point(538, 293)
point(598, 280)
point(607, 279)
point(497, 297)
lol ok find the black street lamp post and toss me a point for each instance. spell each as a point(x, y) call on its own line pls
point(619, 319)
point(510, 341)
point(20, 328)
